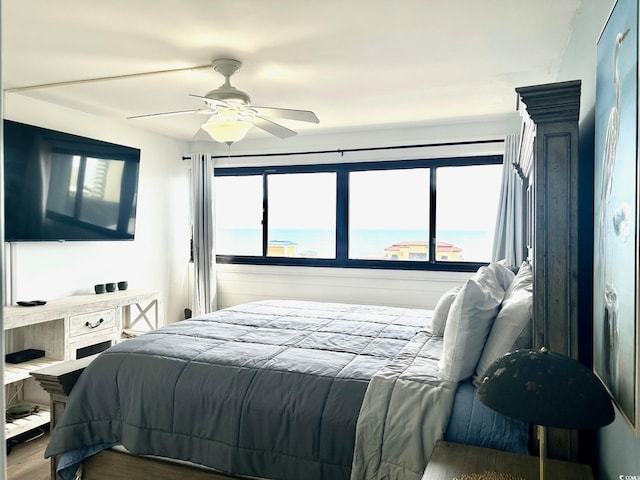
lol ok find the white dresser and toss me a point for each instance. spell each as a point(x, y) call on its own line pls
point(68, 328)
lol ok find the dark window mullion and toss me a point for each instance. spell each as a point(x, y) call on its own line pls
point(432, 215)
point(342, 215)
point(265, 214)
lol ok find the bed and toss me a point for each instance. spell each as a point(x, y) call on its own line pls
point(390, 434)
point(298, 389)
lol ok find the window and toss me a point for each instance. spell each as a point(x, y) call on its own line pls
point(466, 212)
point(389, 214)
point(301, 215)
point(238, 215)
point(413, 214)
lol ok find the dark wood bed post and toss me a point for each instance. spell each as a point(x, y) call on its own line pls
point(555, 108)
point(58, 380)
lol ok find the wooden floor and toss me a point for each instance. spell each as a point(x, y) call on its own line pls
point(26, 460)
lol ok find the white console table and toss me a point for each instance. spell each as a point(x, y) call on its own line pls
point(66, 329)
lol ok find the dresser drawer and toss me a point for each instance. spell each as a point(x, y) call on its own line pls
point(94, 322)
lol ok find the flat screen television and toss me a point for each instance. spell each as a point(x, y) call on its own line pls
point(63, 187)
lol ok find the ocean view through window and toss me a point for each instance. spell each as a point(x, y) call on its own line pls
point(372, 244)
point(388, 207)
point(238, 215)
point(427, 214)
point(301, 215)
point(467, 209)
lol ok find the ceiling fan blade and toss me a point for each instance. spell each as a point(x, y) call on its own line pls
point(288, 113)
point(201, 135)
point(272, 127)
point(166, 114)
point(215, 101)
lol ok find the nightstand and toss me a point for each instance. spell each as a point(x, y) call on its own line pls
point(451, 460)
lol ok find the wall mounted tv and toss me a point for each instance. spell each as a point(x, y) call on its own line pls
point(63, 187)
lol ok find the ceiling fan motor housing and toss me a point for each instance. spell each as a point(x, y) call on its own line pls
point(226, 92)
point(229, 93)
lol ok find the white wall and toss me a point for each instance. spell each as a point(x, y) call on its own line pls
point(421, 289)
point(413, 289)
point(462, 130)
point(158, 257)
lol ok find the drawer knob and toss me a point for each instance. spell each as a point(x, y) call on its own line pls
point(94, 325)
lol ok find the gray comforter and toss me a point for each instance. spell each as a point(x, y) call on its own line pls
point(405, 411)
point(268, 389)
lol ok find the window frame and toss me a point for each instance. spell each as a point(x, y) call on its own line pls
point(342, 171)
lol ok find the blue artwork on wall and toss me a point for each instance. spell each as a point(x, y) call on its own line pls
point(615, 298)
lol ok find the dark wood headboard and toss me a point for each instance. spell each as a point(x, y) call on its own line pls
point(554, 109)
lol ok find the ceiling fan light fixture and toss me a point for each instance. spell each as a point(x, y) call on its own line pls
point(226, 130)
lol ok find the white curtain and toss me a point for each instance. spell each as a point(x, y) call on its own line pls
point(509, 241)
point(527, 142)
point(204, 253)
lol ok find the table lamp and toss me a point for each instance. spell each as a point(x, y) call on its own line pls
point(548, 390)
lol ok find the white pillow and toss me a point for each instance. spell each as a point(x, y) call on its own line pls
point(504, 274)
point(512, 327)
point(469, 322)
point(440, 313)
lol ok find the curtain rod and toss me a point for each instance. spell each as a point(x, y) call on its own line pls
point(348, 150)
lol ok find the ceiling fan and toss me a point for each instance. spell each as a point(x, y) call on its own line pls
point(231, 114)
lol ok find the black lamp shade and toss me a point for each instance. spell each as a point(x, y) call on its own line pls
point(547, 389)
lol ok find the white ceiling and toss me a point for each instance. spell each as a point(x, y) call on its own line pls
point(355, 63)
